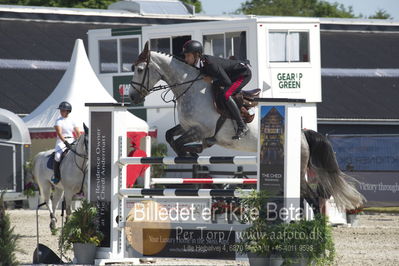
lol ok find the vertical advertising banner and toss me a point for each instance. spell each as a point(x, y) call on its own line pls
point(271, 158)
point(100, 172)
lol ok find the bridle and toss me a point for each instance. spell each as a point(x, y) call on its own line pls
point(141, 84)
point(83, 167)
point(145, 90)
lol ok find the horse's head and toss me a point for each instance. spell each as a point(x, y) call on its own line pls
point(145, 76)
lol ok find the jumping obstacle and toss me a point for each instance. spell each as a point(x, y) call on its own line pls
point(107, 172)
point(200, 171)
point(155, 181)
point(201, 160)
point(138, 192)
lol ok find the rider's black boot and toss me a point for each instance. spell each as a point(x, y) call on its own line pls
point(57, 174)
point(235, 112)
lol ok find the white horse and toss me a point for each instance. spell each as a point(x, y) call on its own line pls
point(73, 171)
point(198, 117)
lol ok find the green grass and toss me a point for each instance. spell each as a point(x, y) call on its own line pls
point(382, 209)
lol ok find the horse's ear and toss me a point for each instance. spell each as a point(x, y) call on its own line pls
point(143, 55)
point(86, 129)
point(145, 50)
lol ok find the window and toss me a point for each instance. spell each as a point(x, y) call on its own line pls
point(118, 54)
point(161, 45)
point(129, 49)
point(5, 131)
point(108, 56)
point(226, 45)
point(289, 46)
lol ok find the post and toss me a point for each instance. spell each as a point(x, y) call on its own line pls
point(279, 155)
point(108, 122)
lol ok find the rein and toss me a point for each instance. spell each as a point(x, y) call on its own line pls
point(168, 88)
point(79, 154)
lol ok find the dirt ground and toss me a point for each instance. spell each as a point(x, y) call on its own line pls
point(374, 242)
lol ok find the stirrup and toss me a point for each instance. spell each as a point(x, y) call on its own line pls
point(55, 180)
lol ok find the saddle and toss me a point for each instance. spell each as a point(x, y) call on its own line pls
point(50, 161)
point(244, 100)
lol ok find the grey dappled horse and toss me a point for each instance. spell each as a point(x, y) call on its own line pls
point(73, 172)
point(197, 116)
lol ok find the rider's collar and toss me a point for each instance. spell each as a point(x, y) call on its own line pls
point(199, 63)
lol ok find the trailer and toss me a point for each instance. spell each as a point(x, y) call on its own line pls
point(14, 150)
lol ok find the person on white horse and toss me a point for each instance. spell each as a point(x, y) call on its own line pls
point(64, 128)
point(228, 74)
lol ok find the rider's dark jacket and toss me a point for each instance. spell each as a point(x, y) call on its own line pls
point(231, 74)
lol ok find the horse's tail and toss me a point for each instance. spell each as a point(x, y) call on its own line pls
point(332, 181)
point(29, 172)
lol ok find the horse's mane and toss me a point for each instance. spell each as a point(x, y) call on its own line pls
point(175, 57)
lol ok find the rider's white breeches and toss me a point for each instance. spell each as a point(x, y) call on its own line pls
point(59, 148)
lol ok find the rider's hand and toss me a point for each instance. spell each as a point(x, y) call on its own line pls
point(67, 144)
point(208, 79)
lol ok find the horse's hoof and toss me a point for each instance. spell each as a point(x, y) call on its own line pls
point(241, 132)
point(52, 226)
point(209, 142)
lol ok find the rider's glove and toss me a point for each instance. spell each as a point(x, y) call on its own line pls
point(67, 144)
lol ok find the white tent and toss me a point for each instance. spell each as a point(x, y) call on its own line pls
point(78, 86)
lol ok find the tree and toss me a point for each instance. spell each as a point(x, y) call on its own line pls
point(98, 4)
point(381, 14)
point(196, 3)
point(302, 8)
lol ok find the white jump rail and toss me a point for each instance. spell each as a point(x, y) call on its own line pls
point(171, 192)
point(201, 160)
point(155, 181)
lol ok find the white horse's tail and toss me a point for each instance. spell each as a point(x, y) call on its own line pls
point(29, 173)
point(332, 181)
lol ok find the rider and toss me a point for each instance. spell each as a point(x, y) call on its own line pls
point(230, 75)
point(64, 127)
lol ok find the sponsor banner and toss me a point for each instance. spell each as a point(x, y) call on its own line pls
point(271, 157)
point(379, 188)
point(272, 138)
point(289, 80)
point(366, 153)
point(100, 171)
point(121, 86)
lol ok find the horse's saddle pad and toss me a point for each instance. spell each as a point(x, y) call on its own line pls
point(50, 161)
point(243, 99)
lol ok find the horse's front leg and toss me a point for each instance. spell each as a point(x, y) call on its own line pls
point(171, 134)
point(45, 193)
point(68, 203)
point(188, 136)
point(55, 199)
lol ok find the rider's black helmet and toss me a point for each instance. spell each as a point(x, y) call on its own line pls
point(65, 106)
point(192, 46)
